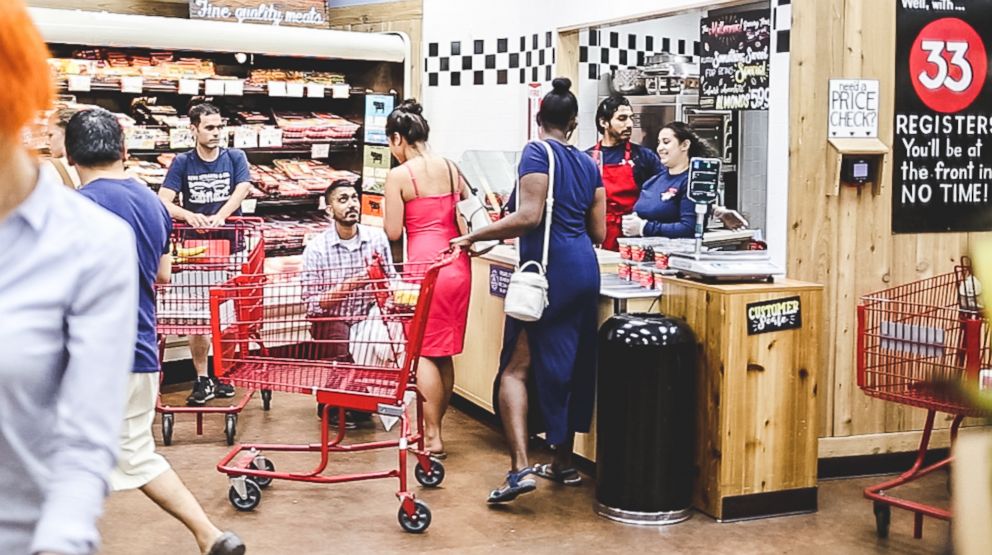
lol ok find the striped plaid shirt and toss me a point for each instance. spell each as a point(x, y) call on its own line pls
point(328, 262)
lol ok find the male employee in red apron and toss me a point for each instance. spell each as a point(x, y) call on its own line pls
point(625, 166)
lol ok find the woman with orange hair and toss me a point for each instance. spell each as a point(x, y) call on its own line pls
point(68, 296)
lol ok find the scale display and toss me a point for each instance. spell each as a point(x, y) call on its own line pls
point(704, 177)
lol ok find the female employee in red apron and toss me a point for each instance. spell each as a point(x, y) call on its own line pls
point(625, 166)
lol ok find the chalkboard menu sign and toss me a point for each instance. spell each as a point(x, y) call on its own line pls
point(942, 151)
point(733, 67)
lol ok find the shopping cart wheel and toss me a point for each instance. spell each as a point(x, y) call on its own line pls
point(231, 428)
point(266, 399)
point(263, 482)
point(248, 503)
point(168, 420)
point(418, 521)
point(430, 478)
point(883, 517)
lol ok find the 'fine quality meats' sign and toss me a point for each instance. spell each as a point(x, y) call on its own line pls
point(777, 315)
point(733, 67)
point(942, 152)
point(297, 13)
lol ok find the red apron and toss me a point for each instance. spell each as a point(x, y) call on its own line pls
point(621, 193)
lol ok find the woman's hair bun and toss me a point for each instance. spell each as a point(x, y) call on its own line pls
point(411, 106)
point(561, 85)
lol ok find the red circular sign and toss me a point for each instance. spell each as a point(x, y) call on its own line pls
point(947, 65)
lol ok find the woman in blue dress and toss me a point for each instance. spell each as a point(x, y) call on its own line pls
point(556, 355)
point(663, 210)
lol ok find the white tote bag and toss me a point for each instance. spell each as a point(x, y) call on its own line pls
point(527, 292)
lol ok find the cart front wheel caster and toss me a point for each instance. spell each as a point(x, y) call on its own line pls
point(266, 399)
point(430, 478)
point(247, 503)
point(883, 517)
point(266, 464)
point(231, 428)
point(418, 521)
point(168, 421)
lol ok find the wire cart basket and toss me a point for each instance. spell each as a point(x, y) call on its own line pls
point(349, 336)
point(917, 345)
point(204, 258)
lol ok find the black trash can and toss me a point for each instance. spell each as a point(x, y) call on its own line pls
point(646, 419)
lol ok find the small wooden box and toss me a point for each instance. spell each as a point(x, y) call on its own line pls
point(756, 450)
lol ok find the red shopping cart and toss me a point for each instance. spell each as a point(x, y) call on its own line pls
point(204, 258)
point(351, 337)
point(917, 344)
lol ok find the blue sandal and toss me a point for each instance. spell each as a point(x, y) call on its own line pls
point(565, 476)
point(515, 485)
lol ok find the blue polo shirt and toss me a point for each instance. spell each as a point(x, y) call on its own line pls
point(203, 186)
point(665, 206)
point(646, 161)
point(137, 205)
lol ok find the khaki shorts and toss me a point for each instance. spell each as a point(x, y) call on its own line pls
point(137, 461)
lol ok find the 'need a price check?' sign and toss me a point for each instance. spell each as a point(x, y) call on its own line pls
point(943, 117)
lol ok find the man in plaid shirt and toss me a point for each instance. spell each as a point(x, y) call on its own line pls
point(335, 269)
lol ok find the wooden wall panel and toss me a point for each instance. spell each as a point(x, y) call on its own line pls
point(168, 8)
point(845, 241)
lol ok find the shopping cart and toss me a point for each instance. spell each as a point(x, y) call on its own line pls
point(917, 345)
point(351, 337)
point(204, 258)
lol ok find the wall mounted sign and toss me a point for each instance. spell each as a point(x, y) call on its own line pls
point(942, 162)
point(377, 109)
point(733, 66)
point(499, 280)
point(776, 315)
point(296, 13)
point(375, 167)
point(852, 108)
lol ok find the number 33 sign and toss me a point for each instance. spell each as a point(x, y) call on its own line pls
point(947, 65)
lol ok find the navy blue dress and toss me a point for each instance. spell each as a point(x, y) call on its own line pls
point(563, 342)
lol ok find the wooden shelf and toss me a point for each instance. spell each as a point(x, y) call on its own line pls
point(95, 86)
point(288, 150)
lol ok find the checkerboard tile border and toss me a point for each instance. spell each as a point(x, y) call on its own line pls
point(602, 50)
point(496, 61)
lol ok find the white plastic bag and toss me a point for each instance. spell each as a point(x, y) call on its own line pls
point(374, 342)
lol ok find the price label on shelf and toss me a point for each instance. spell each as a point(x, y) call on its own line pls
point(234, 87)
point(270, 137)
point(181, 137)
point(277, 88)
point(340, 91)
point(248, 206)
point(315, 90)
point(80, 83)
point(133, 84)
point(189, 86)
point(245, 137)
point(321, 205)
point(321, 150)
point(294, 90)
point(213, 87)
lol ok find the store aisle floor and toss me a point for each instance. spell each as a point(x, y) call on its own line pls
point(296, 518)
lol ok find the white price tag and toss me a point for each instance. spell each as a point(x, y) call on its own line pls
point(133, 84)
point(235, 87)
point(277, 88)
point(315, 90)
point(245, 137)
point(248, 206)
point(80, 83)
point(181, 137)
point(294, 90)
point(213, 87)
point(189, 86)
point(270, 137)
point(322, 150)
point(340, 91)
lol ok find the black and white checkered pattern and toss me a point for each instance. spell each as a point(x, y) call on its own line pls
point(603, 50)
point(500, 61)
point(781, 24)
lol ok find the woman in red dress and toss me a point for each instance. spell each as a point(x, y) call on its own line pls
point(421, 195)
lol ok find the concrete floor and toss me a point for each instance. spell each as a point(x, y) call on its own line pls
point(302, 518)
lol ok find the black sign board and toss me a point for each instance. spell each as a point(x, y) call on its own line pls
point(499, 280)
point(776, 315)
point(942, 150)
point(733, 67)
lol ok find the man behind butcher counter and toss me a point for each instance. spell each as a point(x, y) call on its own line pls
point(624, 165)
point(211, 182)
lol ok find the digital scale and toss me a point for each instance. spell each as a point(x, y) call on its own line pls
point(704, 176)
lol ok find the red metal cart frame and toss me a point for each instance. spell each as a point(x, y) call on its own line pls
point(351, 337)
point(916, 344)
point(204, 258)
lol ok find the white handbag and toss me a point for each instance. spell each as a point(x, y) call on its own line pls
point(474, 215)
point(527, 293)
